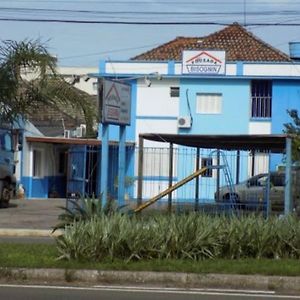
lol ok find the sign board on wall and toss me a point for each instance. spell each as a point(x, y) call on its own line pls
point(116, 102)
point(203, 62)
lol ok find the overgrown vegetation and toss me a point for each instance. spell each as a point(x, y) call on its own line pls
point(185, 237)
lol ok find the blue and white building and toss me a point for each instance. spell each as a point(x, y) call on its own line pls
point(229, 82)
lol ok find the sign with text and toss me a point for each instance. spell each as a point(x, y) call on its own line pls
point(203, 62)
point(116, 102)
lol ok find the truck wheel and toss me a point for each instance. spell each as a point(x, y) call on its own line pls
point(5, 196)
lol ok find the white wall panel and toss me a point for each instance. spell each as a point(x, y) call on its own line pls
point(155, 100)
point(136, 68)
point(272, 69)
point(231, 69)
point(260, 128)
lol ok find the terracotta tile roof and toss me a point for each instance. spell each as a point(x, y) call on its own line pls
point(239, 44)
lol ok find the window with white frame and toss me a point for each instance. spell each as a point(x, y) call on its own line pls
point(261, 98)
point(209, 103)
point(37, 163)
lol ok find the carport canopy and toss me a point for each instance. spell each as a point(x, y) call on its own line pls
point(246, 142)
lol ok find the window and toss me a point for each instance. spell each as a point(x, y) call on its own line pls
point(37, 163)
point(174, 91)
point(261, 99)
point(206, 162)
point(209, 103)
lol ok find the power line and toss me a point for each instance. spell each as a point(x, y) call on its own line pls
point(140, 22)
point(105, 12)
point(110, 51)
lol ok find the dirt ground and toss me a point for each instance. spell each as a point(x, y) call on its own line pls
point(31, 214)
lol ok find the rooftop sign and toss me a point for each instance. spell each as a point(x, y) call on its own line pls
point(116, 103)
point(203, 62)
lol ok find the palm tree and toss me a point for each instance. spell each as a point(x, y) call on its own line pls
point(28, 79)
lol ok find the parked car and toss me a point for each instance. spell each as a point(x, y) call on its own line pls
point(252, 192)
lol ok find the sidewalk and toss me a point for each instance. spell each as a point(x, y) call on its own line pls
point(30, 217)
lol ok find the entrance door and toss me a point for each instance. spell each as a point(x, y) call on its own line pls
point(76, 180)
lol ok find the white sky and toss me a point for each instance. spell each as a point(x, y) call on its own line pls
point(85, 44)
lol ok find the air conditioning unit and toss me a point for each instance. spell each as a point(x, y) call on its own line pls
point(184, 122)
point(80, 131)
point(67, 134)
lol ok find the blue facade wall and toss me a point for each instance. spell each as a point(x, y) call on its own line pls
point(234, 118)
point(42, 187)
point(286, 96)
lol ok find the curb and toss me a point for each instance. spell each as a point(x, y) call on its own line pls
point(10, 232)
point(163, 279)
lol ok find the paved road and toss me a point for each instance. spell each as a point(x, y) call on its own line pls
point(18, 292)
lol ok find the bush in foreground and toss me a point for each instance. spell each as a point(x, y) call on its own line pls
point(193, 236)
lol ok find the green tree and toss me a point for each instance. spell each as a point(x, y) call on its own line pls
point(293, 129)
point(28, 79)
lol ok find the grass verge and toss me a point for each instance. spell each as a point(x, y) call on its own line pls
point(45, 256)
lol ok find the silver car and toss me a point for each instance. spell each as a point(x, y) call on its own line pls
point(253, 192)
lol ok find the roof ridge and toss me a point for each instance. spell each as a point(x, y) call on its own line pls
point(239, 44)
point(251, 34)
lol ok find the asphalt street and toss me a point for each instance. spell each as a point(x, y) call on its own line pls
point(23, 292)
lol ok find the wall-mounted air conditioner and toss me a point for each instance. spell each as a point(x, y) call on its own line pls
point(184, 122)
point(67, 134)
point(80, 131)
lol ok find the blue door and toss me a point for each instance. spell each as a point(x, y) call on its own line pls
point(76, 180)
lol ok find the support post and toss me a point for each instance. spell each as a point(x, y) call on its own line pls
point(197, 180)
point(170, 176)
point(253, 163)
point(104, 162)
point(218, 176)
point(140, 171)
point(288, 178)
point(122, 164)
point(238, 158)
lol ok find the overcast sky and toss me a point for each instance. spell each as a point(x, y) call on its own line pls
point(78, 44)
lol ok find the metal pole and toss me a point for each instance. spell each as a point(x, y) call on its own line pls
point(288, 176)
point(253, 163)
point(140, 171)
point(197, 180)
point(218, 176)
point(104, 162)
point(238, 158)
point(122, 164)
point(170, 176)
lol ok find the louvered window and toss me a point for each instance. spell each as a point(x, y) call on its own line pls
point(174, 91)
point(209, 103)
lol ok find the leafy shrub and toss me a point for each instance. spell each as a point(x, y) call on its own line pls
point(85, 209)
point(193, 236)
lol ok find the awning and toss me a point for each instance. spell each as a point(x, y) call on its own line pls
point(247, 142)
point(70, 141)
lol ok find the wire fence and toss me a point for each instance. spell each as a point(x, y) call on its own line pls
point(234, 180)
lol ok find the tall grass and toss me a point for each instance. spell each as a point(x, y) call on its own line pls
point(193, 237)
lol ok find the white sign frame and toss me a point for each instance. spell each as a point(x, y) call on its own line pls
point(116, 102)
point(203, 62)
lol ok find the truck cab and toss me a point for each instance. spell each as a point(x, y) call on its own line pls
point(7, 167)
